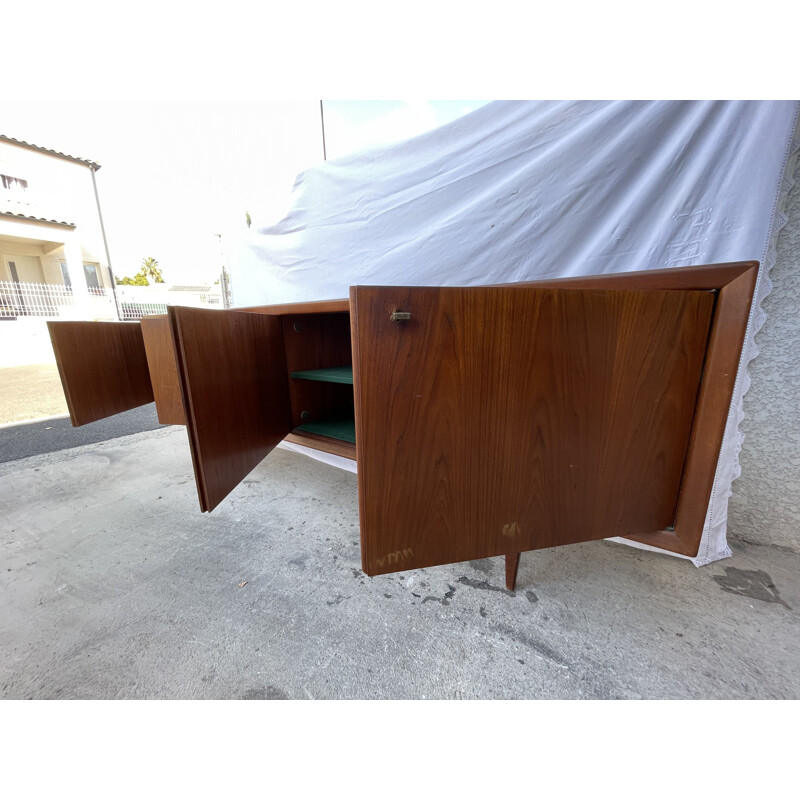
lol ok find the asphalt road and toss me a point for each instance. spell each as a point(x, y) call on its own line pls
point(50, 435)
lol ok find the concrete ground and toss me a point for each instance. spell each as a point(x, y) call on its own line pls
point(51, 434)
point(114, 585)
point(29, 392)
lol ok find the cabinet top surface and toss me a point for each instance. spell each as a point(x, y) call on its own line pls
point(704, 276)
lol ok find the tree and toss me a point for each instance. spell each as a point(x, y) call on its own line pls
point(149, 269)
point(137, 280)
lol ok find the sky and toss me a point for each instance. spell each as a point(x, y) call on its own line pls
point(176, 174)
point(172, 98)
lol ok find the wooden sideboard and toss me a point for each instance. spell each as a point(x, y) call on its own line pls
point(484, 421)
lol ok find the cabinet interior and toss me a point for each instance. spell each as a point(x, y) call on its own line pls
point(319, 363)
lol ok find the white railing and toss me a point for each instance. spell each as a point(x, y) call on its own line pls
point(136, 302)
point(53, 300)
point(133, 302)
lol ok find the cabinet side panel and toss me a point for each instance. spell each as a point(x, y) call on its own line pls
point(500, 420)
point(232, 371)
point(163, 369)
point(728, 331)
point(103, 368)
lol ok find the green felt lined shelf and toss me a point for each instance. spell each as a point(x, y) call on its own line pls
point(328, 374)
point(342, 429)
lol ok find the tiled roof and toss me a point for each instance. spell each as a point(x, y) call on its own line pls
point(47, 150)
point(36, 219)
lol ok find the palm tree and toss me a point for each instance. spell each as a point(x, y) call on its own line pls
point(150, 269)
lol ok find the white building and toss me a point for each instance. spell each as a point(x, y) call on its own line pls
point(53, 254)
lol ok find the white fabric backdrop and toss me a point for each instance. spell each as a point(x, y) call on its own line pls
point(526, 190)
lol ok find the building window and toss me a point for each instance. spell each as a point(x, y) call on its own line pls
point(65, 274)
point(13, 184)
point(92, 273)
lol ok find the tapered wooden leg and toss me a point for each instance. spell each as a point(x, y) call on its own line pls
point(512, 565)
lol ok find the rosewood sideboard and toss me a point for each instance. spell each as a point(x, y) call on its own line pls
point(485, 421)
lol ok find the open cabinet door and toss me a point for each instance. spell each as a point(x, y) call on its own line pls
point(498, 420)
point(103, 368)
point(232, 372)
point(160, 349)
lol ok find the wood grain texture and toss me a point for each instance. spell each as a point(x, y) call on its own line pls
point(735, 283)
point(703, 276)
point(728, 332)
point(501, 420)
point(163, 369)
point(103, 368)
point(233, 379)
point(334, 446)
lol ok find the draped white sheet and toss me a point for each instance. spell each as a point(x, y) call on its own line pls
point(526, 190)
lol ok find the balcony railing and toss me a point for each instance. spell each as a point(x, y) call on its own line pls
point(51, 300)
point(134, 302)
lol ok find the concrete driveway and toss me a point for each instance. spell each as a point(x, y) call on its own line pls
point(115, 585)
point(29, 392)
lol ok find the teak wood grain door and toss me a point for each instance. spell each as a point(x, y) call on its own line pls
point(103, 368)
point(234, 386)
point(499, 420)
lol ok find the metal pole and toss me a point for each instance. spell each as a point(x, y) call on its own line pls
point(105, 243)
point(322, 119)
point(224, 278)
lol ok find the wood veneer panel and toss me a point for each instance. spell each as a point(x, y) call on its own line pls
point(103, 368)
point(704, 276)
point(324, 443)
point(735, 283)
point(728, 332)
point(233, 380)
point(163, 369)
point(499, 420)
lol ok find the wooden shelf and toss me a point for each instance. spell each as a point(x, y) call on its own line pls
point(327, 375)
point(342, 429)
